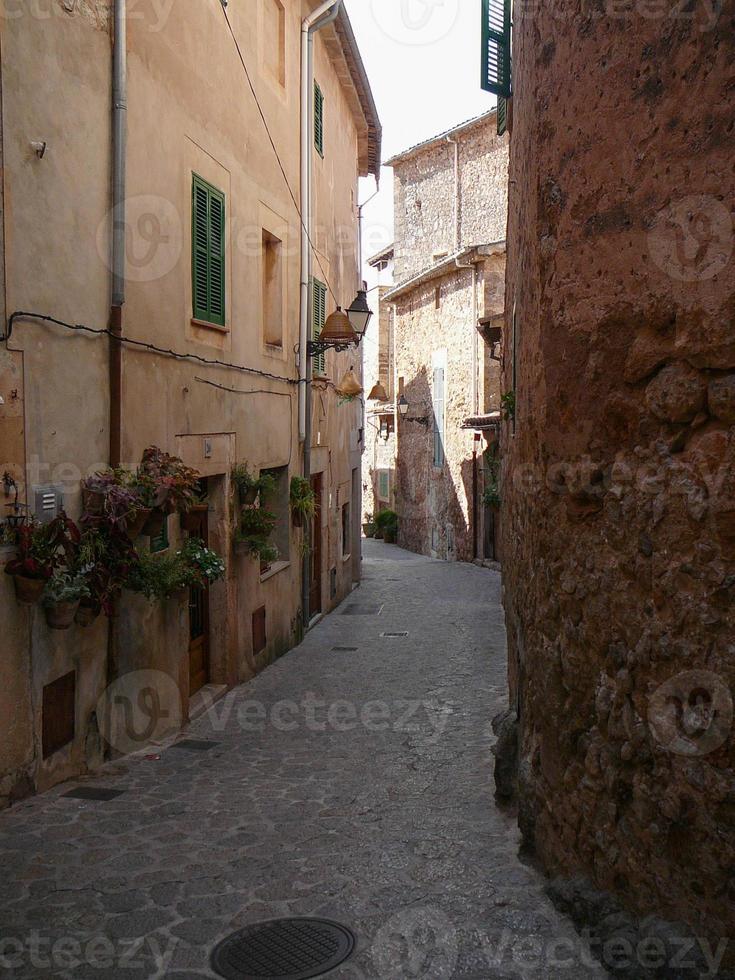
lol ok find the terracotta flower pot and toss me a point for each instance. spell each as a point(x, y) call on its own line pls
point(28, 590)
point(390, 535)
point(154, 524)
point(134, 525)
point(60, 615)
point(87, 612)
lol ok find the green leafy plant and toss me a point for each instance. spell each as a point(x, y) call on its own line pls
point(158, 576)
point(107, 557)
point(203, 562)
point(491, 494)
point(256, 522)
point(43, 548)
point(66, 586)
point(249, 486)
point(508, 403)
point(386, 525)
point(302, 497)
point(268, 553)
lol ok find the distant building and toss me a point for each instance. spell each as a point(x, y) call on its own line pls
point(447, 303)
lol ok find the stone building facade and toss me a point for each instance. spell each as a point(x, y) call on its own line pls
point(450, 217)
point(619, 466)
point(232, 395)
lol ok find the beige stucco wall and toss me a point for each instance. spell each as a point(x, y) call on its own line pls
point(189, 110)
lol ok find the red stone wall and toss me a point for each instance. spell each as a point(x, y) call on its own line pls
point(619, 480)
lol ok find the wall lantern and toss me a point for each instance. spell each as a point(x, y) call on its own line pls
point(360, 313)
point(403, 406)
point(378, 393)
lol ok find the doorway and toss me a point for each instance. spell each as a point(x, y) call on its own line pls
point(198, 525)
point(315, 558)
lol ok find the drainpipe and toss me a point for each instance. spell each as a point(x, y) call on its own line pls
point(324, 14)
point(119, 143)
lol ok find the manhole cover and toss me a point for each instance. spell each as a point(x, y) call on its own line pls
point(194, 744)
point(93, 793)
point(395, 636)
point(283, 949)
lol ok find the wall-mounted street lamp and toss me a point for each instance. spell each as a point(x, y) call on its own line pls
point(403, 406)
point(360, 313)
point(343, 330)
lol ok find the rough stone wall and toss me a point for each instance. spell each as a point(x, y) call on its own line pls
point(424, 197)
point(435, 504)
point(619, 504)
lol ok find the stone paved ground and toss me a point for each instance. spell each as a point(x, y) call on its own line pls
point(354, 784)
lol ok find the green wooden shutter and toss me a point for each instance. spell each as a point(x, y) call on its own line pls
point(496, 28)
point(208, 252)
point(319, 316)
point(502, 115)
point(318, 119)
point(160, 542)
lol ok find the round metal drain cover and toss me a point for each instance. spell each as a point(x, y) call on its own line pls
point(283, 949)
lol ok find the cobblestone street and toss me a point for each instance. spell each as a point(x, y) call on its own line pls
point(351, 780)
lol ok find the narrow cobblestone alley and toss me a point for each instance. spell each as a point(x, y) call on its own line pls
point(352, 780)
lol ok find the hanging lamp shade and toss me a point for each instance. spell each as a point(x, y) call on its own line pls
point(349, 386)
point(338, 330)
point(378, 393)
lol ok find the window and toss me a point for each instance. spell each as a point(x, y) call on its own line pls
point(318, 120)
point(346, 530)
point(278, 504)
point(272, 289)
point(208, 252)
point(319, 317)
point(439, 416)
point(274, 31)
point(496, 54)
point(161, 542)
point(260, 638)
point(384, 485)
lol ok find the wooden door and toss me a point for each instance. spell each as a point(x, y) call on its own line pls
point(315, 572)
point(198, 615)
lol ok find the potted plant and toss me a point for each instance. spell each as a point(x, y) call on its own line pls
point(61, 597)
point(302, 500)
point(250, 487)
point(255, 522)
point(268, 553)
point(158, 577)
point(106, 555)
point(173, 486)
point(205, 566)
point(40, 549)
point(115, 497)
point(369, 526)
point(387, 525)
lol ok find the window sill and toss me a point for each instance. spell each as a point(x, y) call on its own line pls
point(279, 566)
point(206, 325)
point(273, 350)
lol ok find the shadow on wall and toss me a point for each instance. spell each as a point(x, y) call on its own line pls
point(427, 500)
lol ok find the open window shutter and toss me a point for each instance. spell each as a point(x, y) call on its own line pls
point(502, 116)
point(496, 47)
point(217, 258)
point(438, 416)
point(319, 316)
point(200, 250)
point(318, 119)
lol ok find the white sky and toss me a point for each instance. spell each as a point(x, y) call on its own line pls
point(423, 61)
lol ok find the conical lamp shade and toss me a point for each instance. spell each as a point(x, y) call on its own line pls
point(378, 393)
point(349, 386)
point(338, 329)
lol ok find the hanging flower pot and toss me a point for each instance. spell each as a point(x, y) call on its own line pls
point(153, 526)
point(28, 590)
point(93, 501)
point(298, 518)
point(60, 615)
point(134, 525)
point(88, 611)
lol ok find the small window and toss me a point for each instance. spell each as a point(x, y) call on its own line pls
point(208, 252)
point(384, 485)
point(319, 318)
point(318, 120)
point(438, 417)
point(437, 298)
point(278, 504)
point(346, 530)
point(161, 542)
point(271, 257)
point(274, 31)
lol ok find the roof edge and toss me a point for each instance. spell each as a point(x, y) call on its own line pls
point(356, 66)
point(440, 137)
point(482, 251)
